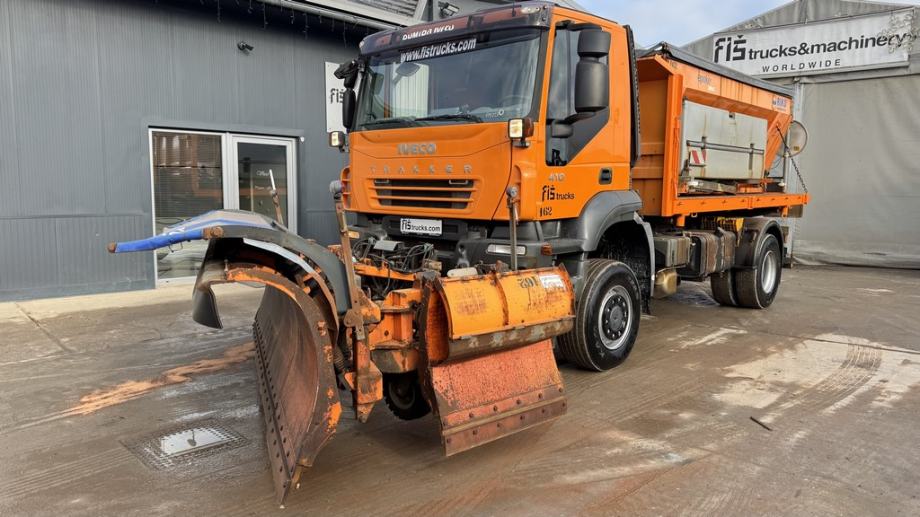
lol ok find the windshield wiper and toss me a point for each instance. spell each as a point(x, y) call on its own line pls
point(405, 121)
point(454, 116)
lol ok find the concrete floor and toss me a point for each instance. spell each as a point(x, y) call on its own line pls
point(832, 368)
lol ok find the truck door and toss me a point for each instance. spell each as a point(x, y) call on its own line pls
point(582, 155)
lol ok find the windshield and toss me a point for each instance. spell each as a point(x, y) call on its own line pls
point(488, 77)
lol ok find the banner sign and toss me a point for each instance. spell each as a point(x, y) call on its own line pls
point(335, 93)
point(820, 47)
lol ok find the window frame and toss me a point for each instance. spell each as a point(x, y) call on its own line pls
point(229, 178)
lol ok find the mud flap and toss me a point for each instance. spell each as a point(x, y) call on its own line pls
point(491, 371)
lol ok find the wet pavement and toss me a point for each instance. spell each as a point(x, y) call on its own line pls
point(811, 407)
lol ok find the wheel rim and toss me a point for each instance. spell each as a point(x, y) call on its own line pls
point(615, 318)
point(402, 394)
point(768, 271)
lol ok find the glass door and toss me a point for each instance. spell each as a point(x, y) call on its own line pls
point(257, 163)
point(195, 172)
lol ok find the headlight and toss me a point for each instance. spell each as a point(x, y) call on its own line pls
point(337, 139)
point(520, 128)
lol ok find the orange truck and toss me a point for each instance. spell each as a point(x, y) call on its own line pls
point(521, 180)
point(634, 170)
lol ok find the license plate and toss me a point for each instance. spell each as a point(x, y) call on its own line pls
point(430, 227)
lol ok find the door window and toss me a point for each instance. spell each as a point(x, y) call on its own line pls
point(258, 162)
point(561, 102)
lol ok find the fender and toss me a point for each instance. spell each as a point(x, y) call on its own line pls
point(604, 210)
point(750, 240)
point(256, 239)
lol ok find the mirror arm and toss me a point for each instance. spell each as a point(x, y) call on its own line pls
point(577, 117)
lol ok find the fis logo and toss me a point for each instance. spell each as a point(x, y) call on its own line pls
point(550, 194)
point(728, 49)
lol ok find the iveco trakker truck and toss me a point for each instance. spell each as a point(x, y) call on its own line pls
point(632, 171)
point(520, 179)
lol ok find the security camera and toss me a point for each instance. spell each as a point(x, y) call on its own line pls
point(244, 47)
point(448, 9)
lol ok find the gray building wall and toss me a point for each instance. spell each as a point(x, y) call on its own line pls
point(81, 81)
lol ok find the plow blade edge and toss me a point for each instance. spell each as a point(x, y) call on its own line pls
point(296, 385)
point(486, 398)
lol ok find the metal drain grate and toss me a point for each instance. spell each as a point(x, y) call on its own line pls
point(181, 445)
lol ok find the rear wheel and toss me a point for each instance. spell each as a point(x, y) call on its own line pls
point(756, 288)
point(723, 288)
point(607, 317)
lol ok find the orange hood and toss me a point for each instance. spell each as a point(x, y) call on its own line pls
point(451, 171)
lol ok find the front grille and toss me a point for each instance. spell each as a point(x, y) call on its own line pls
point(444, 194)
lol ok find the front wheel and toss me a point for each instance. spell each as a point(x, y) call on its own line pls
point(607, 317)
point(403, 396)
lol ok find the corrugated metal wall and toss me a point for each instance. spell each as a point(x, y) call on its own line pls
point(80, 83)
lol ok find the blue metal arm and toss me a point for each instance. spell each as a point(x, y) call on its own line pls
point(157, 241)
point(193, 229)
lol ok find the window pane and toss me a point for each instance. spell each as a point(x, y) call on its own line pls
point(187, 181)
point(562, 79)
point(258, 163)
point(491, 76)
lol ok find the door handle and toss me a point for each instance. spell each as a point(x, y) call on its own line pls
point(606, 177)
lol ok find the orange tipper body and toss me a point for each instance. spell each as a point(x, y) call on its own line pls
point(665, 86)
point(521, 183)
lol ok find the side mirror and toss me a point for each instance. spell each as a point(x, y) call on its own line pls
point(592, 77)
point(349, 106)
point(348, 72)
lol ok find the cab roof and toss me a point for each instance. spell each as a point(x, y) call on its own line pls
point(516, 15)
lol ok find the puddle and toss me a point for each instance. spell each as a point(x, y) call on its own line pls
point(183, 445)
point(191, 440)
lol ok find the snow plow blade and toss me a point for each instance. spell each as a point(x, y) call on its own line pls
point(300, 402)
point(294, 330)
point(491, 367)
point(293, 334)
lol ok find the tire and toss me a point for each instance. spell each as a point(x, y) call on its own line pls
point(723, 288)
point(756, 287)
point(404, 397)
point(606, 318)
